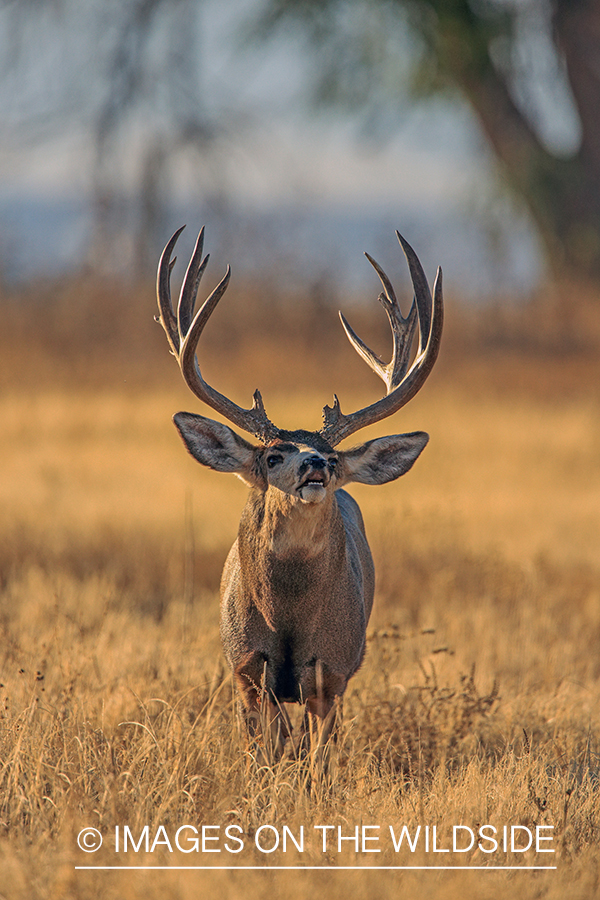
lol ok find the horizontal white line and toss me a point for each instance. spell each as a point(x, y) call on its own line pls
point(308, 868)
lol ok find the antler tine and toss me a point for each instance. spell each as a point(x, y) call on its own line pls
point(401, 384)
point(403, 332)
point(403, 329)
point(372, 360)
point(189, 288)
point(422, 297)
point(163, 292)
point(184, 333)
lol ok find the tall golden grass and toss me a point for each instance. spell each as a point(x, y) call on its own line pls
point(478, 702)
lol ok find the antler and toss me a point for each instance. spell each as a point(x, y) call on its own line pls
point(183, 332)
point(401, 384)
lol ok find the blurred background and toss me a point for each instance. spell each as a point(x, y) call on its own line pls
point(303, 133)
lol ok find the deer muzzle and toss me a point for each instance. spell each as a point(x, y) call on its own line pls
point(315, 478)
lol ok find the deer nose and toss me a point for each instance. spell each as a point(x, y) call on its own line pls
point(314, 463)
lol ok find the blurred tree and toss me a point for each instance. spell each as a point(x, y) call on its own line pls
point(476, 46)
point(126, 76)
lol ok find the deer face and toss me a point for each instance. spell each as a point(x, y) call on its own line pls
point(301, 471)
point(305, 471)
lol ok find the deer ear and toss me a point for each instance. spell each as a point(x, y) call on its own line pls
point(217, 446)
point(383, 459)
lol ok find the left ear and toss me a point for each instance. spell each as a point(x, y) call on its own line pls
point(383, 459)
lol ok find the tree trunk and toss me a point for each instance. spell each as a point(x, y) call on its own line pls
point(562, 195)
point(577, 33)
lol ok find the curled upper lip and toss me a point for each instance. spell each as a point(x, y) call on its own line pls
point(318, 477)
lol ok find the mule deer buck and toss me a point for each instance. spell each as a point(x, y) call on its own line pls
point(297, 586)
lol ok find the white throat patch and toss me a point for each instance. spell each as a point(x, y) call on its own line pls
point(312, 492)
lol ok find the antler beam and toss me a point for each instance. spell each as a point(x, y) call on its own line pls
point(401, 382)
point(184, 327)
point(183, 331)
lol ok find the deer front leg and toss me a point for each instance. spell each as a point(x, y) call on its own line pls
point(265, 720)
point(322, 708)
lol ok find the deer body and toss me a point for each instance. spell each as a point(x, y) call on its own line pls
point(285, 595)
point(298, 583)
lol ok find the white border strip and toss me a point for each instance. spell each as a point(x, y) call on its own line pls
point(311, 868)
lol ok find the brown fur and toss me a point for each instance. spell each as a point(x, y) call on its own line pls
point(297, 587)
point(298, 583)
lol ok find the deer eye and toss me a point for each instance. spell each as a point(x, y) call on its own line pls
point(274, 460)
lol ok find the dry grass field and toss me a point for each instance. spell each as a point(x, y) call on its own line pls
point(479, 699)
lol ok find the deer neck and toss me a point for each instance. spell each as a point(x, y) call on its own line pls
point(289, 551)
point(290, 527)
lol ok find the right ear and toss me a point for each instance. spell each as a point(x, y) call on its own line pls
point(218, 446)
